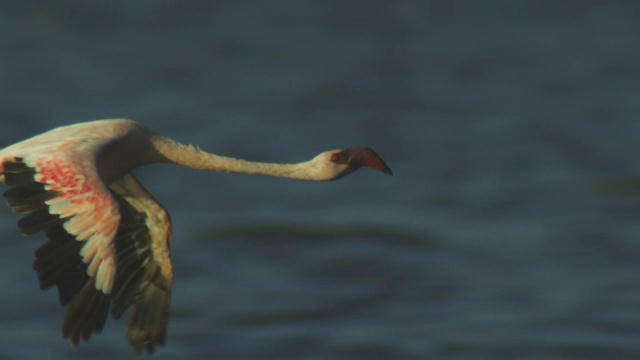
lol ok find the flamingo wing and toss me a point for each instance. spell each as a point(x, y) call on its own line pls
point(144, 275)
point(64, 197)
point(61, 186)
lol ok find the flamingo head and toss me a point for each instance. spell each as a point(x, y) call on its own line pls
point(336, 164)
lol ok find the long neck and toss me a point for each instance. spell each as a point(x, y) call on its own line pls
point(189, 156)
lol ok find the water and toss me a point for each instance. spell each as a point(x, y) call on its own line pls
point(508, 230)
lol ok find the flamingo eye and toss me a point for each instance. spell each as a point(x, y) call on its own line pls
point(335, 157)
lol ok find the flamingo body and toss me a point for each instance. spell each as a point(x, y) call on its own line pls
point(108, 238)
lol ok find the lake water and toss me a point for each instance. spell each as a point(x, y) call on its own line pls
point(508, 231)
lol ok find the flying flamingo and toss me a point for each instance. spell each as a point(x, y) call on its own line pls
point(108, 238)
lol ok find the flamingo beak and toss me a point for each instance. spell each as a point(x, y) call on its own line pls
point(363, 156)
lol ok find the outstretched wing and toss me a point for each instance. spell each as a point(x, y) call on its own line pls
point(63, 196)
point(57, 183)
point(144, 275)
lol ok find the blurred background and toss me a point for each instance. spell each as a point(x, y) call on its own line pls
point(508, 231)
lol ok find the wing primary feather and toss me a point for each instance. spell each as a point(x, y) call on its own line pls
point(37, 221)
point(86, 314)
point(24, 200)
point(20, 175)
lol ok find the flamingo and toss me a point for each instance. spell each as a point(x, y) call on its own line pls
point(108, 238)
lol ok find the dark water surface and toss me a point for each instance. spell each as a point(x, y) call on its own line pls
point(509, 230)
